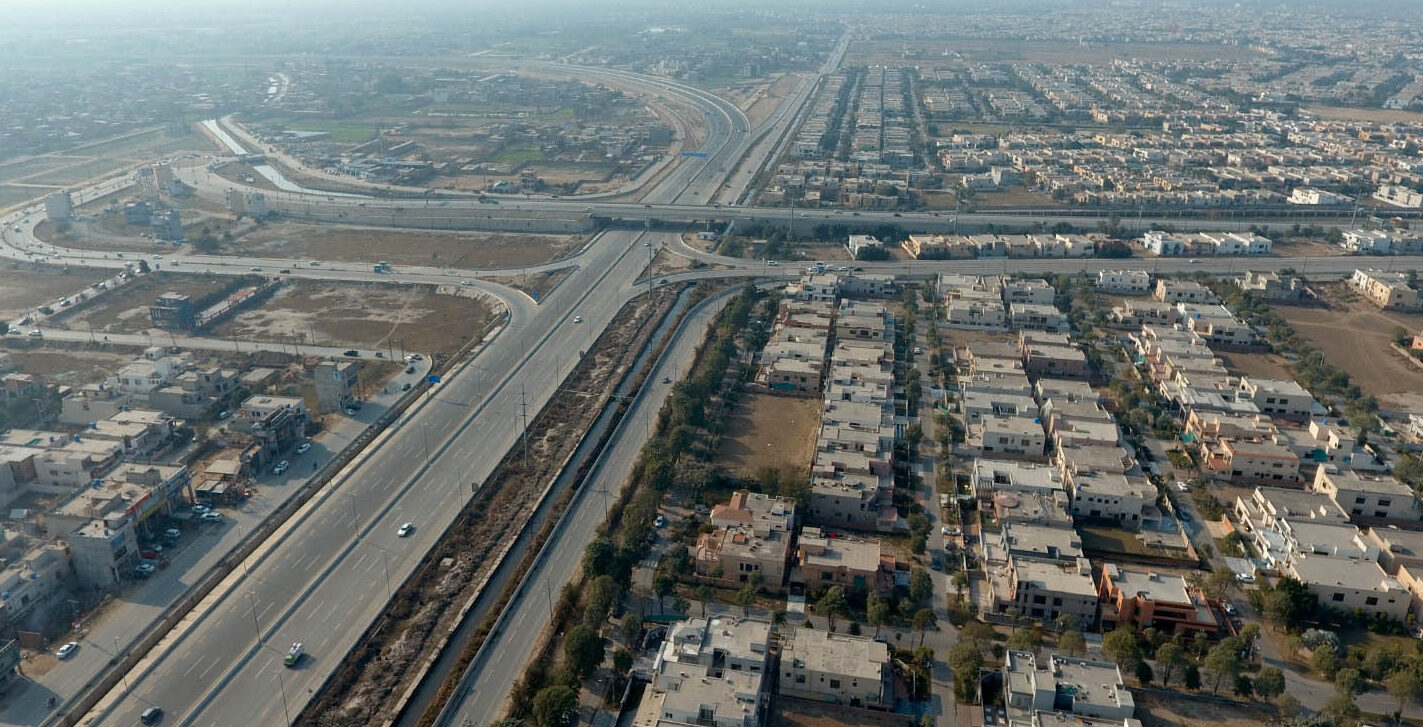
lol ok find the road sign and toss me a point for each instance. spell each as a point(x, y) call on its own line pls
point(693, 154)
point(433, 379)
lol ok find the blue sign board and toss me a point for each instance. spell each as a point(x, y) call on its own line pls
point(693, 154)
point(433, 379)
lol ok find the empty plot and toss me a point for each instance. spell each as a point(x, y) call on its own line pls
point(403, 247)
point(771, 431)
point(27, 286)
point(1357, 339)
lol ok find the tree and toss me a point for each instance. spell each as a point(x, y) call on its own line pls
point(1348, 681)
point(877, 611)
point(1219, 585)
point(1025, 640)
point(960, 580)
point(1406, 686)
point(831, 604)
point(704, 595)
point(622, 661)
point(1270, 683)
point(1072, 643)
point(664, 584)
point(1324, 661)
point(603, 595)
point(1169, 659)
point(1244, 687)
point(554, 706)
point(584, 649)
point(965, 659)
point(632, 629)
point(1222, 663)
point(1287, 706)
point(923, 620)
point(745, 597)
point(1121, 647)
point(1144, 673)
point(1342, 710)
point(921, 585)
point(599, 557)
point(1193, 677)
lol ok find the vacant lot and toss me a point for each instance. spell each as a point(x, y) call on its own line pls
point(891, 52)
point(362, 314)
point(125, 310)
point(14, 194)
point(1378, 116)
point(771, 431)
point(1156, 710)
point(26, 286)
point(1355, 336)
point(1263, 365)
point(804, 713)
point(70, 366)
point(403, 247)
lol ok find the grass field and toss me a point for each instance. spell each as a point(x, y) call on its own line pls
point(518, 153)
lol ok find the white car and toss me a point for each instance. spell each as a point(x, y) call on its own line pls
point(577, 319)
point(946, 530)
point(659, 522)
point(281, 467)
point(200, 509)
point(1182, 487)
point(303, 448)
point(405, 530)
point(211, 516)
point(67, 650)
point(1245, 577)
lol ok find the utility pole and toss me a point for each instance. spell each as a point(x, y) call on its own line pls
point(524, 417)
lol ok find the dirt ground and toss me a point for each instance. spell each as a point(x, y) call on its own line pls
point(1355, 336)
point(804, 713)
point(1264, 365)
point(1156, 710)
point(765, 100)
point(362, 314)
point(1378, 116)
point(26, 286)
point(70, 366)
point(125, 310)
point(403, 247)
point(931, 53)
point(771, 431)
point(1305, 246)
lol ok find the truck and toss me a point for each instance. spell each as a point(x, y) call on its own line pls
point(293, 655)
point(381, 267)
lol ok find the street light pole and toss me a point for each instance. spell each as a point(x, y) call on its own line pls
point(252, 601)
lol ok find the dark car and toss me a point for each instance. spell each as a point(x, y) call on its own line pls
point(353, 352)
point(152, 715)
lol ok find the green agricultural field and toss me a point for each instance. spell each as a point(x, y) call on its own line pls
point(519, 153)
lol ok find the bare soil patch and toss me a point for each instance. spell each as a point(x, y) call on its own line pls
point(363, 314)
point(14, 194)
point(125, 310)
point(770, 431)
point(25, 286)
point(241, 173)
point(403, 247)
point(1263, 365)
point(1158, 710)
point(1378, 116)
point(1356, 337)
point(764, 101)
point(70, 366)
point(791, 712)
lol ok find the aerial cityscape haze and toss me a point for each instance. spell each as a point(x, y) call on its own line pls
point(647, 364)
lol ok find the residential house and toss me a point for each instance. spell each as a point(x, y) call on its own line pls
point(1141, 599)
point(835, 668)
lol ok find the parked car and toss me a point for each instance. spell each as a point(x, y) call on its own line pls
point(200, 509)
point(67, 650)
point(659, 522)
point(352, 352)
point(409, 369)
point(211, 516)
point(350, 411)
point(303, 448)
point(281, 467)
point(405, 386)
point(172, 533)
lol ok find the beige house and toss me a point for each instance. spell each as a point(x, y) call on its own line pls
point(709, 673)
point(1078, 689)
point(836, 668)
point(1352, 586)
point(846, 562)
point(752, 536)
point(1251, 462)
point(1387, 290)
point(1045, 591)
point(1366, 496)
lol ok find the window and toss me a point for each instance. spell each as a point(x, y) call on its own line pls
point(1039, 599)
point(1371, 601)
point(1385, 503)
point(1338, 597)
point(834, 683)
point(1358, 501)
point(800, 679)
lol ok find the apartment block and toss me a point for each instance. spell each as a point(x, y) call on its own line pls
point(709, 673)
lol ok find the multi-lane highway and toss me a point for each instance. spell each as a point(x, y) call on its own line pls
point(330, 570)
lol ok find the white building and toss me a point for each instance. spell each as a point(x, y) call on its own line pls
point(710, 673)
point(1124, 282)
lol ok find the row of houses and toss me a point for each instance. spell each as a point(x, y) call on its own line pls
point(995, 303)
point(962, 247)
point(1204, 244)
point(722, 672)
